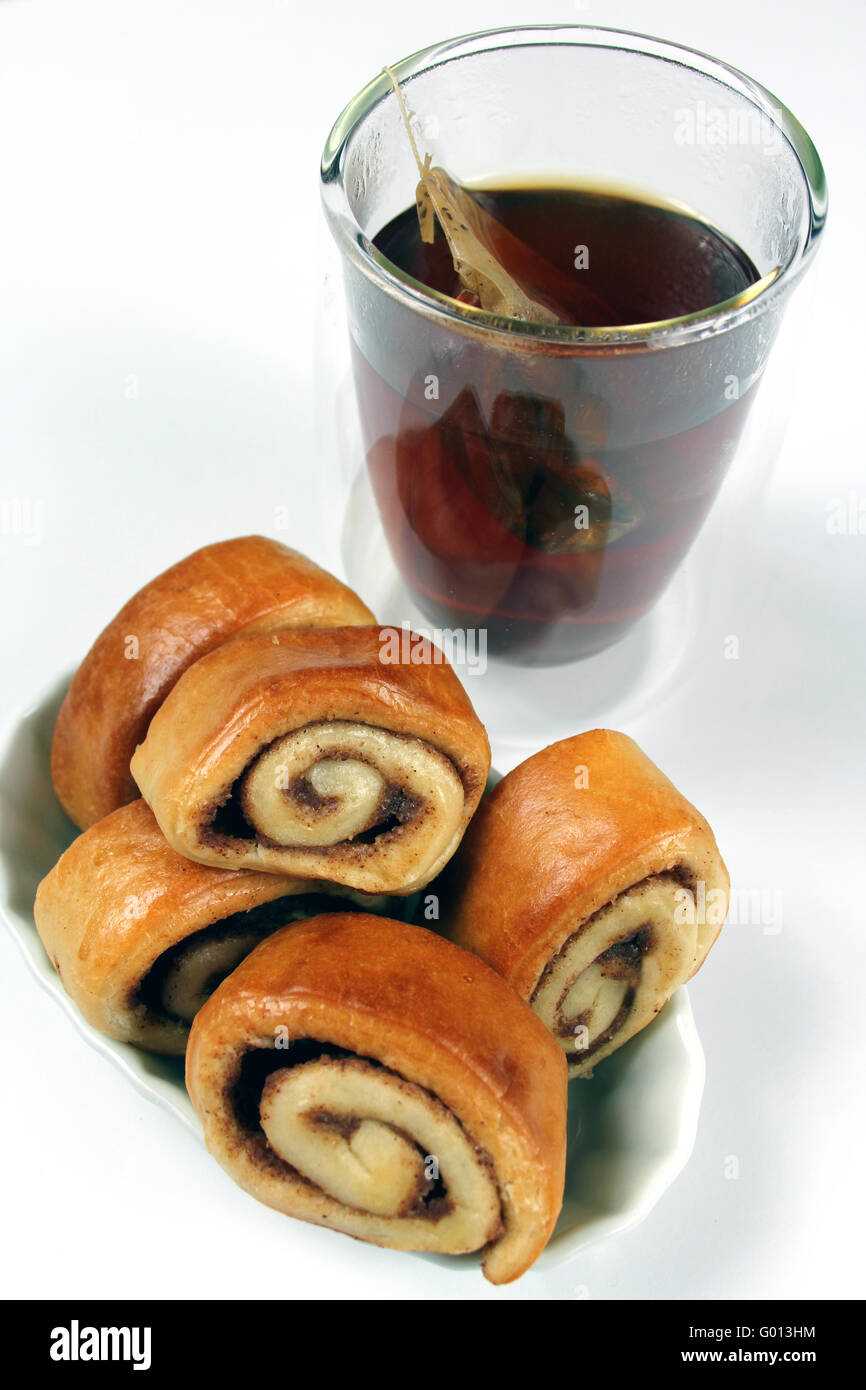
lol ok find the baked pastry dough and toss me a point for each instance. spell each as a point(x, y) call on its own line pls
point(140, 936)
point(233, 586)
point(593, 887)
point(367, 1075)
point(314, 753)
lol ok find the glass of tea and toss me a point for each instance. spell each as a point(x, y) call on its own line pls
point(542, 477)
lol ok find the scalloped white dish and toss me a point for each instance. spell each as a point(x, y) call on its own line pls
point(631, 1129)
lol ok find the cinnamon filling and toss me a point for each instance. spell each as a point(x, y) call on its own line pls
point(430, 1199)
point(623, 958)
point(369, 800)
point(227, 821)
point(620, 963)
point(184, 976)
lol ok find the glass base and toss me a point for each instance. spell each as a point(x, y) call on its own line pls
point(526, 708)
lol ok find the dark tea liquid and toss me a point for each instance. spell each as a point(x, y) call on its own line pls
point(546, 491)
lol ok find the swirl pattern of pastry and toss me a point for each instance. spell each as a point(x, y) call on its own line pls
point(367, 1075)
point(308, 753)
point(593, 887)
point(247, 584)
point(141, 937)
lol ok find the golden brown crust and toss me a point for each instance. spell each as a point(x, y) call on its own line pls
point(563, 836)
point(120, 897)
point(430, 1013)
point(237, 701)
point(236, 585)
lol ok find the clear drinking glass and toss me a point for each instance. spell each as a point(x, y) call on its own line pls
point(649, 416)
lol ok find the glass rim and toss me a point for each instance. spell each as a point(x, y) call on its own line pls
point(718, 318)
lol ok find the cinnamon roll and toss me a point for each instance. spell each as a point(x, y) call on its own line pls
point(369, 1076)
point(140, 937)
point(333, 754)
point(593, 887)
point(250, 583)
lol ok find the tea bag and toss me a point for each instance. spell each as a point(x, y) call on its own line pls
point(470, 232)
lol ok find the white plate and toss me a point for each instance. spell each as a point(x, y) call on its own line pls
point(631, 1128)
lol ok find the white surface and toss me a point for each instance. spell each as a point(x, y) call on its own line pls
point(158, 271)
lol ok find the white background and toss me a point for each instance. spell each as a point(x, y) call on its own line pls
point(160, 223)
